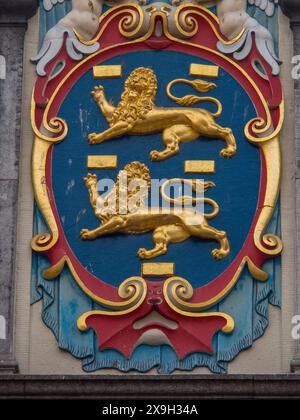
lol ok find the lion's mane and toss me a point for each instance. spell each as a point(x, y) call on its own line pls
point(129, 110)
point(135, 171)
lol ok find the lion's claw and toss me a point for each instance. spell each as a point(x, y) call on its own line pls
point(95, 138)
point(227, 153)
point(84, 234)
point(142, 253)
point(92, 138)
point(90, 180)
point(154, 155)
point(97, 90)
point(219, 254)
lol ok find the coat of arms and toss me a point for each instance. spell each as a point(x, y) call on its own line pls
point(156, 167)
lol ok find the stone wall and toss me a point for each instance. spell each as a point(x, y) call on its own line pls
point(35, 348)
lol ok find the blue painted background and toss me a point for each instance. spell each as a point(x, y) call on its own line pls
point(64, 302)
point(236, 179)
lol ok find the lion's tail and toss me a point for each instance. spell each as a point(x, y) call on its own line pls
point(200, 86)
point(187, 200)
point(205, 200)
point(216, 208)
point(197, 186)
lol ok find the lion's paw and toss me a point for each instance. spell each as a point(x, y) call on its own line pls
point(90, 179)
point(219, 254)
point(97, 90)
point(227, 153)
point(154, 155)
point(92, 138)
point(84, 234)
point(142, 253)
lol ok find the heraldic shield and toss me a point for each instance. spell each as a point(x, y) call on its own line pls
point(156, 167)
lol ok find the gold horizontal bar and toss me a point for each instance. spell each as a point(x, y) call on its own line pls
point(103, 72)
point(158, 269)
point(199, 166)
point(204, 70)
point(102, 162)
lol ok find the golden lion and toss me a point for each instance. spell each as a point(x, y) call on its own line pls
point(137, 114)
point(172, 226)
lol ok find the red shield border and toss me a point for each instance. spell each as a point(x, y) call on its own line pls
point(173, 297)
